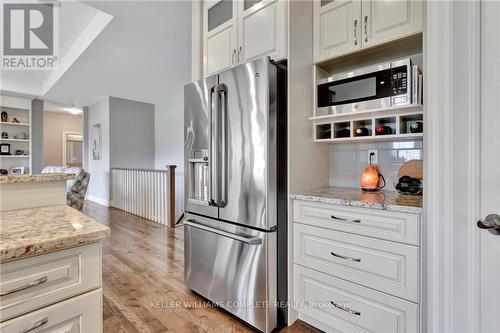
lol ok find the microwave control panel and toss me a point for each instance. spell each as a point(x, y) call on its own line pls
point(399, 80)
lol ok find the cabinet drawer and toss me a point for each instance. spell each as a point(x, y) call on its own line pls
point(394, 226)
point(386, 266)
point(31, 283)
point(351, 308)
point(75, 315)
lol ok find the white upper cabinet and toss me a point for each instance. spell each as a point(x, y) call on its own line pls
point(261, 29)
point(386, 20)
point(345, 26)
point(242, 30)
point(337, 28)
point(220, 35)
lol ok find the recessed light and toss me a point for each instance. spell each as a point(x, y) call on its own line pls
point(73, 110)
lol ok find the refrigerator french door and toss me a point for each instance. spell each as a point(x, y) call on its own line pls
point(235, 226)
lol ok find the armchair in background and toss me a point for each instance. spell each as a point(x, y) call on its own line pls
point(75, 189)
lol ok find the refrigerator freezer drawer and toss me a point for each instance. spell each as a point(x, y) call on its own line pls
point(234, 267)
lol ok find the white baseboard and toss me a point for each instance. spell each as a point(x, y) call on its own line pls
point(98, 200)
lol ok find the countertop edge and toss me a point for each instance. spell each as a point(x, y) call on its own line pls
point(357, 203)
point(23, 251)
point(44, 177)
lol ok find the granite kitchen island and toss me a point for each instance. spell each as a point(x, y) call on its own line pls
point(50, 270)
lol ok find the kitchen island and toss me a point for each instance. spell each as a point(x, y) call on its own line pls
point(50, 270)
point(25, 191)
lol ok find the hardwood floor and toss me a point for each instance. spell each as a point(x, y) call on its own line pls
point(143, 281)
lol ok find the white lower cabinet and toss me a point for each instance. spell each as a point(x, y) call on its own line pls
point(54, 292)
point(357, 269)
point(349, 307)
point(77, 314)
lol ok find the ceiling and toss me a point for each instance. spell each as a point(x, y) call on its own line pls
point(140, 49)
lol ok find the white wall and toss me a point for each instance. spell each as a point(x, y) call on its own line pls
point(169, 111)
point(169, 143)
point(132, 134)
point(98, 190)
point(54, 123)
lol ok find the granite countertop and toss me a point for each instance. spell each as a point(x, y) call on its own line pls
point(33, 231)
point(384, 200)
point(43, 177)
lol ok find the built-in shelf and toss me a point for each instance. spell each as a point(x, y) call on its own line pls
point(344, 130)
point(15, 156)
point(15, 124)
point(392, 110)
point(16, 140)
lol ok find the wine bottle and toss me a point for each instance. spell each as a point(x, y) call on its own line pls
point(362, 131)
point(343, 133)
point(383, 130)
point(417, 127)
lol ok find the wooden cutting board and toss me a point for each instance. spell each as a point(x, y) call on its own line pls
point(413, 168)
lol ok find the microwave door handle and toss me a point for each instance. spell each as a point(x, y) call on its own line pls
point(355, 32)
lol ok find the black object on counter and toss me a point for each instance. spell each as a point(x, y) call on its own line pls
point(409, 185)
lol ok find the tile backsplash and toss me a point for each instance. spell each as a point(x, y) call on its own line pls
point(348, 160)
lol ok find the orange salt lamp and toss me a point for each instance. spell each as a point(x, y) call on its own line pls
point(370, 179)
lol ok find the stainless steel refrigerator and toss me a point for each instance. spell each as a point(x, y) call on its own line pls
point(235, 191)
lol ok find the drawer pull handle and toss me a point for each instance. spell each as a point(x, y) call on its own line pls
point(345, 219)
point(32, 284)
point(36, 325)
point(357, 313)
point(346, 258)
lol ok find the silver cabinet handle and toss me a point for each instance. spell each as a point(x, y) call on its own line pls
point(32, 284)
point(357, 313)
point(355, 32)
point(36, 325)
point(232, 57)
point(345, 219)
point(246, 240)
point(366, 28)
point(240, 50)
point(345, 257)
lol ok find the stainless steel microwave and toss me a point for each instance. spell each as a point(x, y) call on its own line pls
point(377, 86)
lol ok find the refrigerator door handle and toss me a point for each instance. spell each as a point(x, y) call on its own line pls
point(211, 169)
point(243, 239)
point(222, 158)
point(218, 148)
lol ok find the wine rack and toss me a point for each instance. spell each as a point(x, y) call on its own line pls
point(395, 127)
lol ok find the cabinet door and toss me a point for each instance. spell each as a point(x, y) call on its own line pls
point(337, 28)
point(219, 32)
point(80, 314)
point(387, 20)
point(261, 29)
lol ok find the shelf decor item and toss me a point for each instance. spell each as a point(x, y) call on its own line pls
point(4, 172)
point(21, 136)
point(15, 121)
point(97, 142)
point(5, 117)
point(5, 135)
point(17, 170)
point(5, 149)
point(19, 152)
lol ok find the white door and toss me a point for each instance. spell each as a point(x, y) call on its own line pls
point(261, 29)
point(220, 35)
point(337, 28)
point(387, 20)
point(490, 164)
